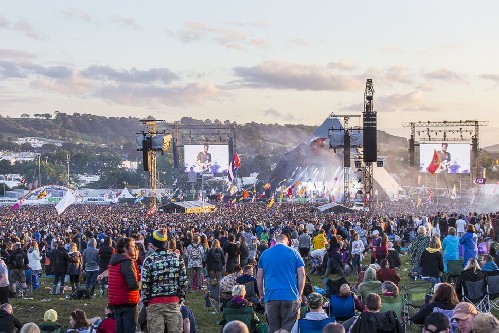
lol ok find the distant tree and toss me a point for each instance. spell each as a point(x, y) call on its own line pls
point(47, 116)
point(25, 115)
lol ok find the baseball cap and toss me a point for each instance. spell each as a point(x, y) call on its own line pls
point(436, 322)
point(485, 323)
point(463, 310)
point(50, 315)
point(315, 300)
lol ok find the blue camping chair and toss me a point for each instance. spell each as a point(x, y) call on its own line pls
point(341, 308)
point(313, 326)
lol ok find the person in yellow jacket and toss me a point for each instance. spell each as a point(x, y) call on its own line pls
point(320, 241)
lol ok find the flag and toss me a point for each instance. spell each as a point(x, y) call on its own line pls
point(245, 194)
point(231, 172)
point(271, 202)
point(17, 204)
point(266, 186)
point(42, 194)
point(290, 192)
point(68, 199)
point(282, 181)
point(233, 190)
point(138, 199)
point(480, 180)
point(419, 202)
point(435, 163)
point(454, 192)
point(151, 211)
point(234, 200)
point(236, 161)
point(430, 194)
point(23, 181)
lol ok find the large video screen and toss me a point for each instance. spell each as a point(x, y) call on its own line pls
point(206, 158)
point(454, 157)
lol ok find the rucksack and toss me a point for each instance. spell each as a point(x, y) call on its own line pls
point(19, 260)
point(217, 256)
point(195, 253)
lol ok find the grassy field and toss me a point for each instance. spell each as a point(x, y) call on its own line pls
point(33, 309)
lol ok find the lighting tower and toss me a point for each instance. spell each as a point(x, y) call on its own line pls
point(152, 131)
point(370, 149)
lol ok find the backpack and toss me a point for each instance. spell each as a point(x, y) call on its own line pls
point(195, 253)
point(217, 256)
point(19, 260)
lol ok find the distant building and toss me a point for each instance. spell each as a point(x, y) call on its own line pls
point(130, 165)
point(13, 157)
point(36, 142)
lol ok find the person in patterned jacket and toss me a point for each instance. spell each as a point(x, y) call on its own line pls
point(163, 286)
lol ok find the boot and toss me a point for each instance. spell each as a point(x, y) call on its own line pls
point(92, 290)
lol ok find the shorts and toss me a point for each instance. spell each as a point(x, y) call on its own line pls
point(18, 275)
point(282, 314)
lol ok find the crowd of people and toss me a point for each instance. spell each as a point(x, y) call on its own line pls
point(145, 264)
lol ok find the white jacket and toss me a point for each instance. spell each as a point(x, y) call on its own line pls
point(35, 260)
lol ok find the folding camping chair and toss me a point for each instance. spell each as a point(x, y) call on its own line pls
point(396, 304)
point(454, 269)
point(476, 292)
point(212, 297)
point(341, 308)
point(493, 289)
point(415, 295)
point(313, 326)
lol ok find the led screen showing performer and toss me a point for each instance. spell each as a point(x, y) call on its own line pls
point(454, 157)
point(206, 158)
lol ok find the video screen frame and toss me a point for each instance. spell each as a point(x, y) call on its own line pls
point(454, 159)
point(219, 158)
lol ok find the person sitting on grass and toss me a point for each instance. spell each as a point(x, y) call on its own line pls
point(50, 324)
point(8, 322)
point(78, 322)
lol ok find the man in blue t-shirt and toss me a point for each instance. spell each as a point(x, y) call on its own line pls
point(280, 280)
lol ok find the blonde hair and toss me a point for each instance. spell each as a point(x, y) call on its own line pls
point(239, 290)
point(30, 328)
point(421, 230)
point(473, 264)
point(435, 243)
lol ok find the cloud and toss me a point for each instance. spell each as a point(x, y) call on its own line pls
point(79, 14)
point(391, 75)
point(493, 77)
point(298, 42)
point(443, 75)
point(16, 55)
point(195, 31)
point(273, 114)
point(21, 26)
point(12, 69)
point(132, 76)
point(410, 102)
point(71, 86)
point(141, 95)
point(284, 75)
point(343, 64)
point(126, 21)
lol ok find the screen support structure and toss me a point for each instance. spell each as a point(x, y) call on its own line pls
point(448, 131)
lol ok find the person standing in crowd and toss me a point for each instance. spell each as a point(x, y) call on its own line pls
point(232, 254)
point(105, 253)
point(419, 244)
point(281, 279)
point(34, 259)
point(75, 267)
point(8, 322)
point(4, 282)
point(451, 247)
point(470, 244)
point(357, 251)
point(195, 255)
point(124, 285)
point(60, 266)
point(91, 265)
point(244, 251)
point(320, 240)
point(460, 226)
point(432, 264)
point(18, 263)
point(215, 261)
point(163, 286)
point(304, 242)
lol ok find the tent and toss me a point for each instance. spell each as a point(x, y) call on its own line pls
point(125, 194)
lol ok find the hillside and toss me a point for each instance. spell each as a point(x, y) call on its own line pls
point(261, 145)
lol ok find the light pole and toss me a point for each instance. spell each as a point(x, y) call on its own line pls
point(67, 160)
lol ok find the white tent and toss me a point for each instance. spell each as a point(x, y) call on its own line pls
point(386, 182)
point(125, 194)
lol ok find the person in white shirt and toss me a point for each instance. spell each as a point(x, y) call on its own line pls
point(460, 226)
point(357, 250)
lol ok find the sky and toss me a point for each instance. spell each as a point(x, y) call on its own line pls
point(286, 62)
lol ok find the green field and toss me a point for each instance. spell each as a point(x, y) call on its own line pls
point(33, 309)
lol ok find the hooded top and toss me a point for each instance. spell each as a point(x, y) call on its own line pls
point(370, 284)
